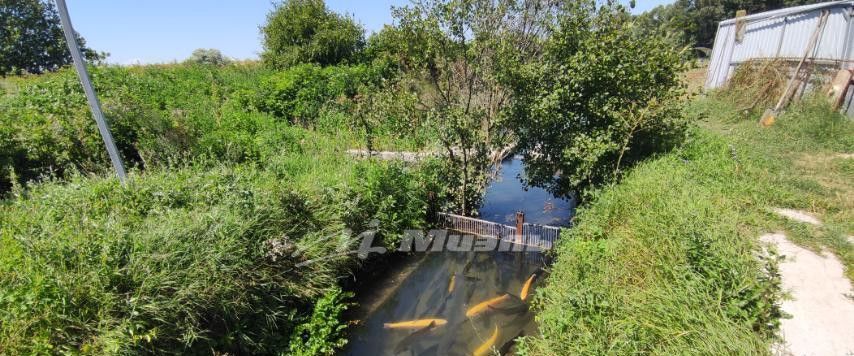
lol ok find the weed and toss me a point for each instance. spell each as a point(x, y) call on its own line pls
point(664, 262)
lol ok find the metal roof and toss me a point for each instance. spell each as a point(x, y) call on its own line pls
point(784, 34)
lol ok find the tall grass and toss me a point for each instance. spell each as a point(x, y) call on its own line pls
point(667, 262)
point(660, 264)
point(163, 115)
point(198, 253)
point(186, 261)
point(802, 162)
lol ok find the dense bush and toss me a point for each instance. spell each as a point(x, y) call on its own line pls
point(209, 56)
point(51, 129)
point(165, 115)
point(601, 99)
point(157, 114)
point(301, 93)
point(192, 260)
point(306, 31)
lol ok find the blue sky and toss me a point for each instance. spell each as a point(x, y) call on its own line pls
point(152, 31)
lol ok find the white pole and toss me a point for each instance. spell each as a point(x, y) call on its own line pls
point(79, 63)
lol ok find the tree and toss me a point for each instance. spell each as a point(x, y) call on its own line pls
point(602, 98)
point(455, 48)
point(695, 22)
point(31, 38)
point(208, 56)
point(306, 31)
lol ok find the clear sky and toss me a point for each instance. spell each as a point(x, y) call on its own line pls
point(151, 31)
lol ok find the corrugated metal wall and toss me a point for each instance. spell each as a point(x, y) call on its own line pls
point(784, 34)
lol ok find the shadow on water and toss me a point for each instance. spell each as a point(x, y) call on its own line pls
point(447, 286)
point(506, 195)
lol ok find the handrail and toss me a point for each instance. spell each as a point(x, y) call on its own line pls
point(543, 236)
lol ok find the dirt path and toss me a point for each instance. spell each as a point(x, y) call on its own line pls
point(821, 303)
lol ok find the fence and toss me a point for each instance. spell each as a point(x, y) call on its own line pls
point(540, 236)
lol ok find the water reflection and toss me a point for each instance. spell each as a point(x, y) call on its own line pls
point(506, 195)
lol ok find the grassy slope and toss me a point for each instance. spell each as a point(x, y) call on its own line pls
point(195, 255)
point(664, 262)
point(186, 260)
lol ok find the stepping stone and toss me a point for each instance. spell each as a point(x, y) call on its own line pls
point(798, 216)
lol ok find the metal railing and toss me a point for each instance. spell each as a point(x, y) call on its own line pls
point(541, 236)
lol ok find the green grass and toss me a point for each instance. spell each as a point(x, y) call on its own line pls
point(194, 256)
point(802, 162)
point(164, 115)
point(185, 260)
point(9, 85)
point(666, 262)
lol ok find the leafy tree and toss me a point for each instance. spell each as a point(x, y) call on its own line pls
point(602, 98)
point(31, 38)
point(306, 31)
point(455, 47)
point(386, 110)
point(387, 47)
point(695, 22)
point(210, 56)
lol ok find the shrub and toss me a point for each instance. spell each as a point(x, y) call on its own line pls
point(52, 129)
point(306, 31)
point(323, 333)
point(602, 99)
point(301, 93)
point(208, 56)
point(158, 115)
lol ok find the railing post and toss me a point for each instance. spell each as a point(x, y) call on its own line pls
point(520, 222)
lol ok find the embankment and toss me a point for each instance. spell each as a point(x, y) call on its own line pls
point(668, 261)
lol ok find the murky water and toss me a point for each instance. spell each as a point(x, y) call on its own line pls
point(447, 286)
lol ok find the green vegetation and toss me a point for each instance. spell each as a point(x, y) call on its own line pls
point(301, 94)
point(191, 259)
point(323, 334)
point(668, 261)
point(694, 23)
point(32, 40)
point(601, 99)
point(239, 173)
point(158, 115)
point(306, 31)
point(197, 253)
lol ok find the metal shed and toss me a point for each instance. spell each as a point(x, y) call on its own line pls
point(784, 34)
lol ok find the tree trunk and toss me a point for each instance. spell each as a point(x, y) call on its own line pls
point(465, 180)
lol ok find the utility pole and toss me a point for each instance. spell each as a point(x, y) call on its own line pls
point(94, 104)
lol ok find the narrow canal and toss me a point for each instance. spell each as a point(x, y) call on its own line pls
point(465, 303)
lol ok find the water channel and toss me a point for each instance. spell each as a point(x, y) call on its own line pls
point(464, 303)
